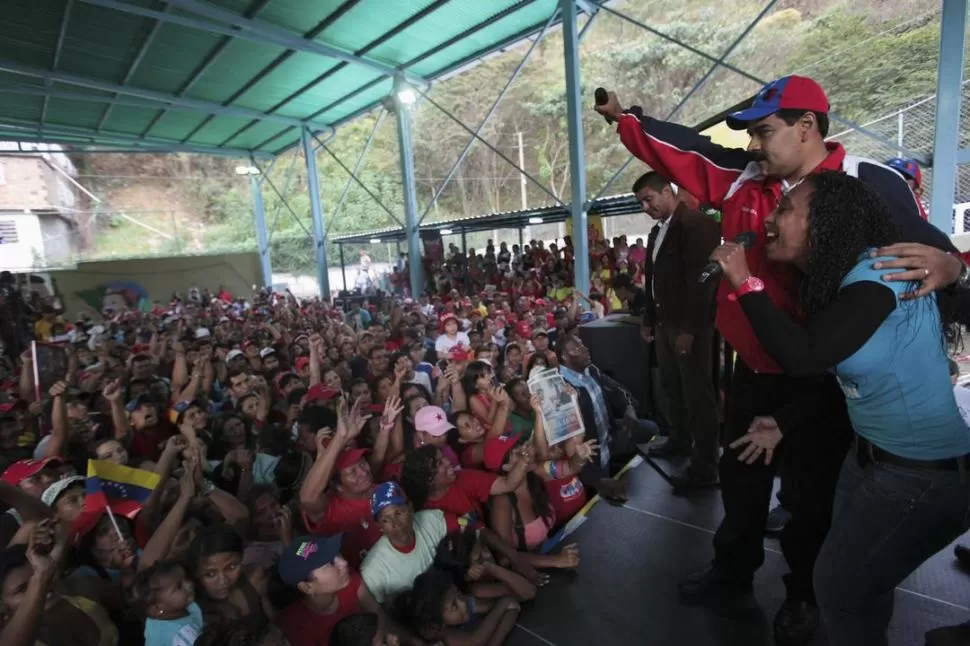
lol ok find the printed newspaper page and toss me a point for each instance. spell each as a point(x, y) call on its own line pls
point(560, 409)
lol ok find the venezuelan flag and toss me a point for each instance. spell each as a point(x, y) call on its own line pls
point(123, 489)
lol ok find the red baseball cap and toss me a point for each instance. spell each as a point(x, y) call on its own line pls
point(786, 93)
point(495, 450)
point(23, 469)
point(523, 329)
point(322, 393)
point(349, 458)
point(459, 353)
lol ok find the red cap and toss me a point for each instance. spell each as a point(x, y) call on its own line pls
point(23, 469)
point(349, 458)
point(523, 329)
point(321, 393)
point(459, 353)
point(786, 93)
point(495, 450)
point(301, 363)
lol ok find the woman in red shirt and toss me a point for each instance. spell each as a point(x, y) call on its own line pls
point(430, 482)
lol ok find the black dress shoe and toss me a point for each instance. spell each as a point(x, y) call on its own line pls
point(796, 623)
point(963, 557)
point(710, 584)
point(691, 481)
point(664, 449)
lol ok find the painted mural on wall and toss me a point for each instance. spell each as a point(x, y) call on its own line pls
point(116, 296)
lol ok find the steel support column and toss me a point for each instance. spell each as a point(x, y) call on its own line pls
point(577, 164)
point(946, 140)
point(465, 273)
point(411, 217)
point(316, 212)
point(343, 265)
point(262, 237)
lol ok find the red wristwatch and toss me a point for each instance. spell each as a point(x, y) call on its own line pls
point(750, 284)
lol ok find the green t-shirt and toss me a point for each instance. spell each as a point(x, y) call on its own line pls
point(523, 425)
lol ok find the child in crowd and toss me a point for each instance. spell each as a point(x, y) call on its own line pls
point(164, 596)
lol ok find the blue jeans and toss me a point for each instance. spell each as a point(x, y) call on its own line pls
point(886, 521)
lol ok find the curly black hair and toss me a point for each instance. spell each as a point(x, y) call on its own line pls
point(846, 218)
point(423, 607)
point(417, 474)
point(454, 554)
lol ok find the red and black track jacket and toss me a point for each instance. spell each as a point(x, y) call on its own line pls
point(730, 180)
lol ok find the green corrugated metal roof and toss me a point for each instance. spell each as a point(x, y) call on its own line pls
point(229, 75)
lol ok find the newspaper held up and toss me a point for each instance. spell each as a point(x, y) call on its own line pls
point(560, 409)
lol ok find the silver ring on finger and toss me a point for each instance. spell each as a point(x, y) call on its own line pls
point(926, 272)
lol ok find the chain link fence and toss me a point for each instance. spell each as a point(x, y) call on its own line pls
point(913, 127)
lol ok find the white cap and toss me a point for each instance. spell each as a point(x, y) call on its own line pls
point(265, 352)
point(224, 319)
point(233, 354)
point(202, 333)
point(49, 497)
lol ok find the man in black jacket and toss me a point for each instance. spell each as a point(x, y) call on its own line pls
point(602, 402)
point(679, 317)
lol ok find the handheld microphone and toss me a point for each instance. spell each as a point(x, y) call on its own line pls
point(712, 270)
point(602, 98)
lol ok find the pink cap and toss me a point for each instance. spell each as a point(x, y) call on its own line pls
point(433, 421)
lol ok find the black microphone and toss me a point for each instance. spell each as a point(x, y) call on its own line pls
point(602, 98)
point(712, 270)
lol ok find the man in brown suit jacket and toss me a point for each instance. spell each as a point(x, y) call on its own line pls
point(679, 318)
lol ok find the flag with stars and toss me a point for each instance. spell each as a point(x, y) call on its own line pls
point(124, 489)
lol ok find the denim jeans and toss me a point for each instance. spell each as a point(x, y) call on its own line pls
point(886, 521)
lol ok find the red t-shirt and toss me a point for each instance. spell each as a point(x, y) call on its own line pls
point(352, 518)
point(466, 496)
point(391, 471)
point(148, 444)
point(566, 497)
point(303, 627)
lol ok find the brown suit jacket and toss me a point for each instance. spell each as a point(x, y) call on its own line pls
point(677, 300)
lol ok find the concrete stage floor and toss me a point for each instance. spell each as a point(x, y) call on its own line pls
point(625, 590)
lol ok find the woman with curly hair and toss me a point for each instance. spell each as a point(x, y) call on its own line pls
point(901, 494)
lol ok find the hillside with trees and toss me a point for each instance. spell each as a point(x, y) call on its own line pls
point(872, 56)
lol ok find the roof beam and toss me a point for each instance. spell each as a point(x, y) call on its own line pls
point(336, 68)
point(161, 99)
point(25, 128)
point(133, 66)
point(58, 48)
point(251, 12)
point(233, 24)
point(276, 62)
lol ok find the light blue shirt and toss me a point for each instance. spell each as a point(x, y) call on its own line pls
point(175, 632)
point(897, 385)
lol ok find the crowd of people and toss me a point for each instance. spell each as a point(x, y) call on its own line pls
point(367, 472)
point(263, 470)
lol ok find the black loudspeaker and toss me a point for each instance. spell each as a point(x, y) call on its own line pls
point(618, 350)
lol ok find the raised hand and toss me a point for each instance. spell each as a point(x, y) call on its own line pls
point(392, 410)
point(112, 391)
point(58, 389)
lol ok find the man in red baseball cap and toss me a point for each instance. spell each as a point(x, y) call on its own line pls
point(31, 477)
point(788, 121)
